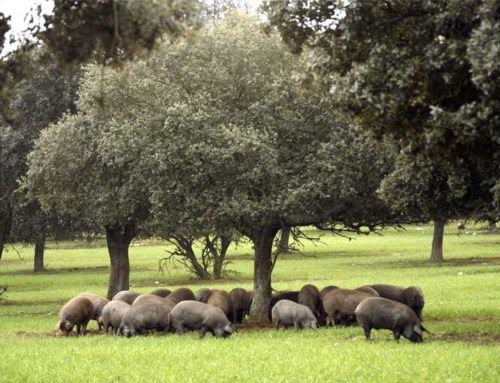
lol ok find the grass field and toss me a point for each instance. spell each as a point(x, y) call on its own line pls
point(462, 311)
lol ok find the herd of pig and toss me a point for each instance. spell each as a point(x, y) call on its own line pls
point(129, 313)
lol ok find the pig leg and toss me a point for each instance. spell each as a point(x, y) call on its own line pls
point(241, 316)
point(235, 316)
point(203, 331)
point(329, 321)
point(397, 334)
point(84, 327)
point(368, 331)
point(277, 324)
point(297, 325)
point(179, 329)
point(78, 328)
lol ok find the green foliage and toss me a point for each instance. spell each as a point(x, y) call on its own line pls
point(461, 312)
point(211, 133)
point(423, 73)
point(423, 193)
point(36, 102)
point(112, 29)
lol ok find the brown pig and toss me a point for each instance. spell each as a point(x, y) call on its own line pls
point(77, 311)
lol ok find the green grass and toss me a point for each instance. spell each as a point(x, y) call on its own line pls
point(462, 312)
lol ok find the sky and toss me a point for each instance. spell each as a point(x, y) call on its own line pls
point(18, 9)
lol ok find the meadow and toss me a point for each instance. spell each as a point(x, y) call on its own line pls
point(462, 312)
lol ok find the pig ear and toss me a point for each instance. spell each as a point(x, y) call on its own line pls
point(417, 329)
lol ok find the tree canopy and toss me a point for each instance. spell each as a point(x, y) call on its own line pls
point(213, 134)
point(422, 72)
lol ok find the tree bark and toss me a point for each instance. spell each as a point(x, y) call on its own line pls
point(118, 238)
point(219, 255)
point(263, 244)
point(492, 228)
point(39, 252)
point(285, 240)
point(5, 225)
point(185, 250)
point(437, 241)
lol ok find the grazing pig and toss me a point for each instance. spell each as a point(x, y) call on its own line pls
point(144, 298)
point(194, 315)
point(382, 313)
point(161, 292)
point(77, 311)
point(280, 295)
point(126, 296)
point(112, 315)
point(138, 320)
point(339, 305)
point(288, 313)
point(98, 302)
point(181, 294)
point(203, 294)
point(242, 301)
point(310, 297)
point(326, 290)
point(222, 300)
point(411, 296)
point(367, 289)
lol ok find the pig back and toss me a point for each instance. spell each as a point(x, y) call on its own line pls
point(222, 300)
point(181, 294)
point(77, 310)
point(97, 301)
point(343, 300)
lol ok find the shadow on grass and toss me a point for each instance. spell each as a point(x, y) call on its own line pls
point(474, 338)
point(66, 270)
point(405, 264)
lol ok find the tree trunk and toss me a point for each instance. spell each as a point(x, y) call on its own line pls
point(263, 244)
point(437, 241)
point(285, 240)
point(39, 251)
point(5, 225)
point(492, 228)
point(218, 253)
point(188, 258)
point(118, 238)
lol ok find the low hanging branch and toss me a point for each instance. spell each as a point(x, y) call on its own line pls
point(298, 235)
point(213, 255)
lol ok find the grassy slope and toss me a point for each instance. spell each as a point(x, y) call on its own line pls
point(462, 311)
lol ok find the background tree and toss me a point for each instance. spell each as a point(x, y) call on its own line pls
point(220, 131)
point(68, 174)
point(38, 101)
point(424, 193)
point(8, 173)
point(422, 72)
point(108, 31)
